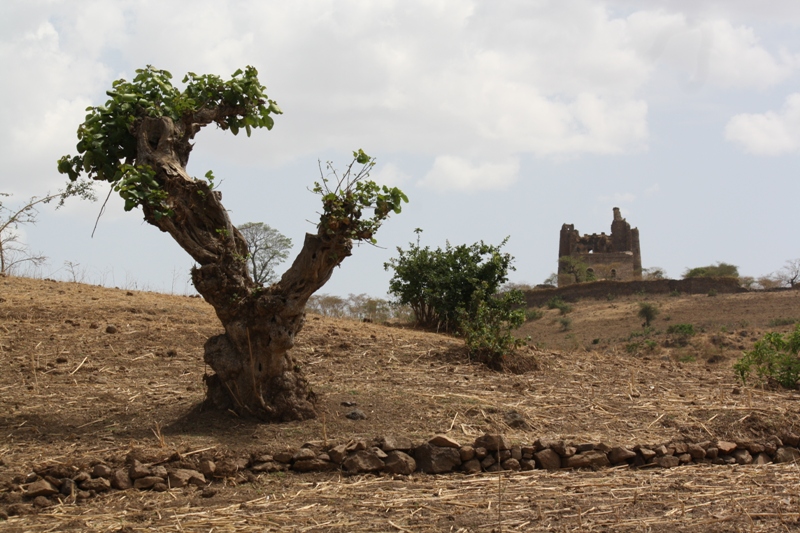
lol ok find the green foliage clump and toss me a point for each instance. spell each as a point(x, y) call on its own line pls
point(456, 289)
point(774, 357)
point(648, 312)
point(720, 270)
point(345, 197)
point(775, 322)
point(107, 147)
point(683, 330)
point(556, 302)
point(577, 269)
point(566, 323)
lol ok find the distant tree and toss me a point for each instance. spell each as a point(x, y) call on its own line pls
point(654, 273)
point(13, 252)
point(720, 270)
point(770, 281)
point(576, 269)
point(789, 275)
point(266, 249)
point(140, 141)
point(648, 312)
point(552, 279)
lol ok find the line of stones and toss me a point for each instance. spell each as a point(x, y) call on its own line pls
point(396, 455)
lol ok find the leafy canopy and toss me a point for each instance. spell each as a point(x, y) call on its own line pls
point(719, 270)
point(107, 146)
point(774, 357)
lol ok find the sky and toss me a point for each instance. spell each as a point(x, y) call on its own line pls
point(497, 119)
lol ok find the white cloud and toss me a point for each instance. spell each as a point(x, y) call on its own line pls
point(389, 174)
point(451, 173)
point(770, 133)
point(617, 198)
point(652, 190)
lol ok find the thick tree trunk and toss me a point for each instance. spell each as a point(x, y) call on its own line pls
point(254, 371)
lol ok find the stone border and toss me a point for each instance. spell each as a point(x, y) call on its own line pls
point(392, 455)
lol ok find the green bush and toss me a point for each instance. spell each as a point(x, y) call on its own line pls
point(774, 357)
point(648, 312)
point(566, 323)
point(557, 303)
point(456, 290)
point(438, 284)
point(683, 330)
point(782, 322)
point(533, 314)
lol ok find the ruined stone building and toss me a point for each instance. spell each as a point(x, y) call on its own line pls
point(616, 256)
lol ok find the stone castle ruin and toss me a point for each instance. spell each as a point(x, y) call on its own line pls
point(616, 256)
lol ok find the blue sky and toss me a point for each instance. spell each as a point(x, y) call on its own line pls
point(496, 118)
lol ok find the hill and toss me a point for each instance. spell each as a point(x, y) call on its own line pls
point(103, 376)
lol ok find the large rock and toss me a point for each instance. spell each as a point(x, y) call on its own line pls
point(492, 443)
point(137, 470)
point(473, 466)
point(435, 459)
point(667, 461)
point(398, 462)
point(547, 459)
point(362, 461)
point(147, 482)
point(314, 465)
point(696, 451)
point(725, 447)
point(742, 457)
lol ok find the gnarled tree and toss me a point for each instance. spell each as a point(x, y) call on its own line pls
point(140, 142)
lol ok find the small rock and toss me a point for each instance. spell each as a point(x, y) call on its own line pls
point(444, 441)
point(696, 451)
point(467, 453)
point(68, 487)
point(304, 454)
point(356, 414)
point(101, 470)
point(585, 447)
point(160, 487)
point(314, 465)
point(620, 455)
point(480, 452)
point(39, 488)
point(138, 470)
point(111, 329)
point(182, 476)
point(473, 466)
point(787, 454)
point(284, 457)
point(488, 461)
point(762, 459)
point(120, 480)
point(679, 448)
point(647, 454)
point(564, 450)
point(511, 464)
point(207, 467)
point(528, 451)
point(42, 501)
point(726, 448)
point(338, 453)
point(547, 459)
point(436, 459)
point(516, 453)
point(527, 464)
point(356, 445)
point(790, 439)
point(208, 492)
point(159, 471)
point(99, 484)
point(662, 451)
point(742, 457)
point(712, 452)
point(391, 443)
point(492, 443)
point(667, 461)
point(398, 462)
point(685, 458)
point(593, 459)
point(147, 482)
point(268, 467)
point(362, 461)
point(81, 476)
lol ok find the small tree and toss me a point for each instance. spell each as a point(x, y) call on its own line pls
point(654, 273)
point(266, 249)
point(576, 269)
point(13, 252)
point(789, 275)
point(774, 357)
point(140, 142)
point(648, 312)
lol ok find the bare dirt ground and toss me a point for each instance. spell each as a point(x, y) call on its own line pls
point(74, 391)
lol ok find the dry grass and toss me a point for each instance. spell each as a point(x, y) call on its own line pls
point(72, 393)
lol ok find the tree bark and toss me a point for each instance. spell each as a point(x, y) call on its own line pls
point(254, 371)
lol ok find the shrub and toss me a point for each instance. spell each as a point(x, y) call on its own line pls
point(566, 323)
point(774, 357)
point(683, 330)
point(712, 292)
point(488, 323)
point(557, 303)
point(533, 314)
point(720, 270)
point(782, 322)
point(648, 312)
